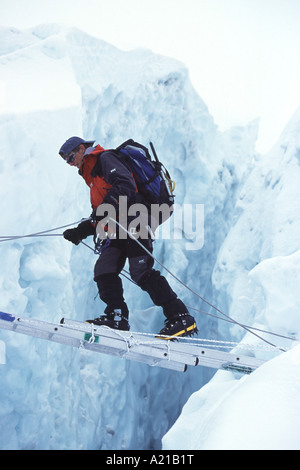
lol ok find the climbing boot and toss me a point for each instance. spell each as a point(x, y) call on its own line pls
point(180, 325)
point(115, 320)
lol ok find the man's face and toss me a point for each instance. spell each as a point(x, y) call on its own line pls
point(78, 156)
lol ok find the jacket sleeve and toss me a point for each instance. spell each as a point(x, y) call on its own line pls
point(116, 173)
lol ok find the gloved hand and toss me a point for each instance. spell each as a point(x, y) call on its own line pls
point(72, 235)
point(75, 235)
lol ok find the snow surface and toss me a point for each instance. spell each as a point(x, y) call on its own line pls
point(258, 412)
point(58, 82)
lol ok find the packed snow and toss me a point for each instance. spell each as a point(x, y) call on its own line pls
point(258, 412)
point(55, 83)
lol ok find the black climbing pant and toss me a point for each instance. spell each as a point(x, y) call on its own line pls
point(107, 276)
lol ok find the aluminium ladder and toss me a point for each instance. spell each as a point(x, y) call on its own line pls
point(147, 348)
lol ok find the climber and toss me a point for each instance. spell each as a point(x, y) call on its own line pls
point(109, 179)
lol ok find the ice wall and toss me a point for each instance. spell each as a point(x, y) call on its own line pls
point(258, 271)
point(268, 222)
point(2, 352)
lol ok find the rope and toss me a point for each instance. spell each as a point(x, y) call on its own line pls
point(150, 338)
point(228, 320)
point(189, 288)
point(39, 234)
point(45, 233)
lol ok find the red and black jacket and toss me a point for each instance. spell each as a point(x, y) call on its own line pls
point(108, 178)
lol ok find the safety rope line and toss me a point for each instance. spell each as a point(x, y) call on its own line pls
point(189, 288)
point(14, 237)
point(131, 340)
point(46, 233)
point(199, 342)
point(38, 234)
point(229, 320)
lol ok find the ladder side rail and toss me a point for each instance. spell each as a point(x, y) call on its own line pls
point(143, 348)
point(55, 333)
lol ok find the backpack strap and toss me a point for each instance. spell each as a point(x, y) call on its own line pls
point(135, 144)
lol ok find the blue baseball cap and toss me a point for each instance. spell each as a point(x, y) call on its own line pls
point(71, 144)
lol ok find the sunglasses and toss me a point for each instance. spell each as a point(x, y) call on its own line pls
point(68, 157)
